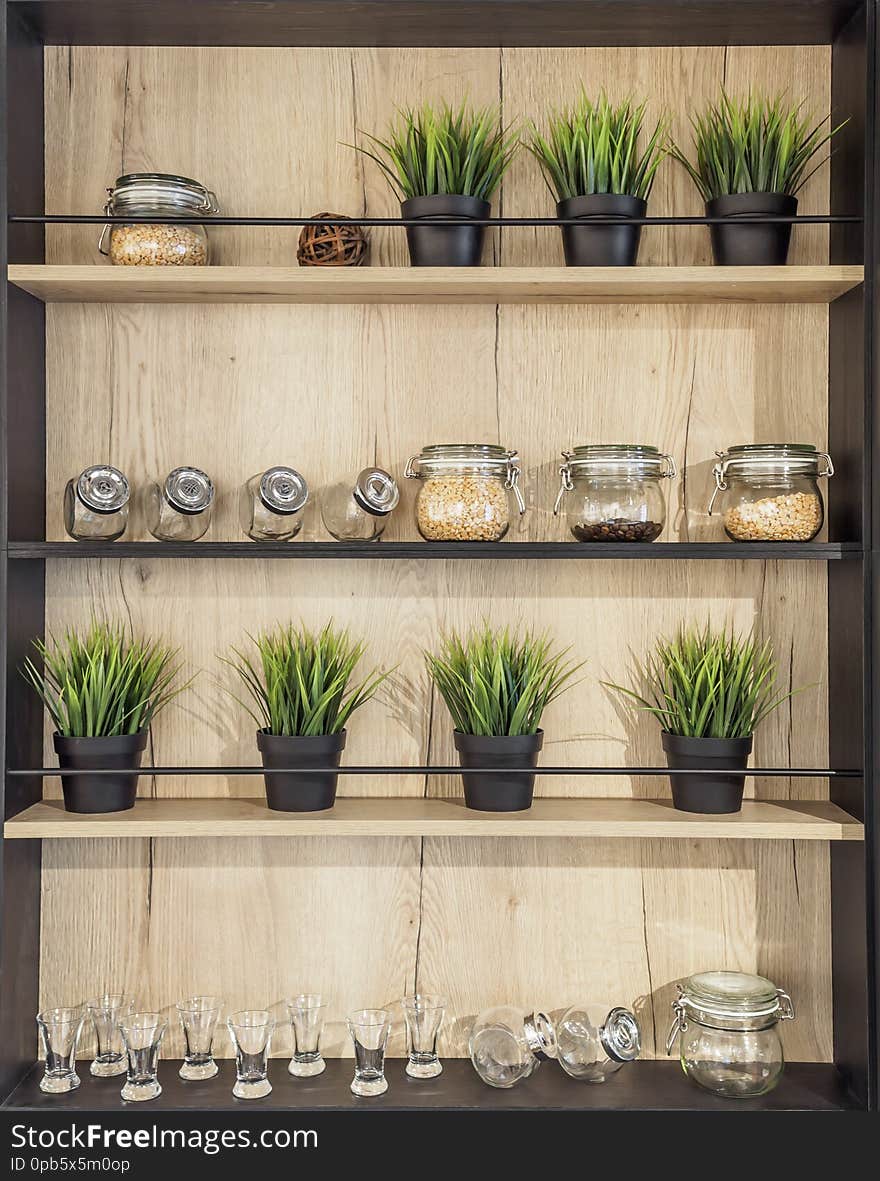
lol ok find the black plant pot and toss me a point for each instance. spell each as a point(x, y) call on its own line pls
point(99, 793)
point(709, 794)
point(296, 792)
point(742, 245)
point(499, 793)
point(597, 245)
point(445, 246)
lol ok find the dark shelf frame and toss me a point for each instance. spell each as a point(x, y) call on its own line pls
point(850, 27)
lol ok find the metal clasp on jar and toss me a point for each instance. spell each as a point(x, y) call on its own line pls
point(679, 1021)
point(512, 481)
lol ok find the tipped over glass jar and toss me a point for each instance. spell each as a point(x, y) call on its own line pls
point(770, 491)
point(96, 504)
point(271, 504)
point(615, 491)
point(468, 491)
point(357, 509)
point(157, 194)
point(180, 508)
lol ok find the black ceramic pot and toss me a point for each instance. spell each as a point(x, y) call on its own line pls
point(293, 791)
point(709, 794)
point(499, 793)
point(99, 793)
point(742, 245)
point(445, 246)
point(597, 245)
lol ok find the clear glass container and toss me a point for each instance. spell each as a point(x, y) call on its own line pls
point(142, 1034)
point(306, 1012)
point(593, 1043)
point(96, 504)
point(726, 1027)
point(506, 1047)
point(106, 1012)
point(614, 491)
point(154, 194)
point(180, 508)
point(271, 504)
point(358, 509)
point(251, 1032)
point(198, 1020)
point(424, 1016)
point(467, 491)
point(770, 491)
point(60, 1030)
point(369, 1029)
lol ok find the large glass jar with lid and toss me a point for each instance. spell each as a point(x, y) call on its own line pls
point(96, 504)
point(770, 491)
point(358, 508)
point(157, 194)
point(726, 1026)
point(179, 509)
point(271, 504)
point(506, 1047)
point(614, 492)
point(469, 492)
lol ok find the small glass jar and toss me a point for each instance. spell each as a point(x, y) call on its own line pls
point(154, 194)
point(180, 508)
point(358, 510)
point(96, 504)
point(466, 491)
point(726, 1026)
point(506, 1047)
point(771, 491)
point(271, 504)
point(593, 1044)
point(615, 491)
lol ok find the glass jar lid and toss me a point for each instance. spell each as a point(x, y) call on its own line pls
point(732, 995)
point(103, 489)
point(189, 490)
point(159, 192)
point(376, 492)
point(450, 455)
point(774, 459)
point(617, 458)
point(283, 490)
point(620, 1036)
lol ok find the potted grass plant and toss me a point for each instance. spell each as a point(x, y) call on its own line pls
point(496, 685)
point(300, 685)
point(752, 156)
point(102, 690)
point(709, 690)
point(596, 163)
point(445, 162)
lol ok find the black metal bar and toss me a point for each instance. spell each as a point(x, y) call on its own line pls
point(212, 220)
point(752, 772)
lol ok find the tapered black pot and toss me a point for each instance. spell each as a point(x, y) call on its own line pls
point(499, 793)
point(742, 245)
point(99, 793)
point(709, 794)
point(445, 246)
point(295, 791)
point(593, 244)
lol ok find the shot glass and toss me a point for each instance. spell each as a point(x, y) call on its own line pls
point(424, 1015)
point(106, 1012)
point(142, 1035)
point(251, 1032)
point(198, 1018)
point(307, 1021)
point(59, 1037)
point(369, 1029)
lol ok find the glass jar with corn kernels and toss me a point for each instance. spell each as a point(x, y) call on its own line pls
point(770, 491)
point(467, 491)
point(157, 194)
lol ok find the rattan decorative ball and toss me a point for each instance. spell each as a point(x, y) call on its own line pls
point(343, 244)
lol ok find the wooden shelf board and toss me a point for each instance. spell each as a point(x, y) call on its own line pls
point(108, 284)
point(814, 820)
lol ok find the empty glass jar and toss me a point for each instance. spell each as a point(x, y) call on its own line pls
point(180, 508)
point(96, 504)
point(358, 509)
point(615, 491)
point(770, 491)
point(271, 504)
point(506, 1047)
point(466, 492)
point(726, 1026)
point(592, 1043)
point(156, 194)
point(59, 1038)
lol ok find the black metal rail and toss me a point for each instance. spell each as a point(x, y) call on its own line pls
point(212, 220)
point(423, 769)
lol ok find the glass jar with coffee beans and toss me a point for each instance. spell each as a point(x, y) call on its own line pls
point(770, 491)
point(157, 194)
point(466, 492)
point(614, 492)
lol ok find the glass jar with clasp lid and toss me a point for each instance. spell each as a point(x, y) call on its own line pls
point(157, 194)
point(770, 491)
point(615, 491)
point(726, 1027)
point(466, 492)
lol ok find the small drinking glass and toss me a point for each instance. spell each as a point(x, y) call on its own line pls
point(142, 1034)
point(106, 1012)
point(424, 1015)
point(251, 1032)
point(59, 1037)
point(198, 1019)
point(369, 1029)
point(307, 1021)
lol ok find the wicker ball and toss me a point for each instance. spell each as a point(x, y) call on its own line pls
point(340, 245)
